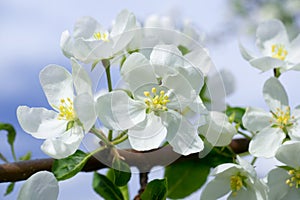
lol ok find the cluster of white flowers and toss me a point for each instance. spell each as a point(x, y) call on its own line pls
point(158, 103)
point(163, 72)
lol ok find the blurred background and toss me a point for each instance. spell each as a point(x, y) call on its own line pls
point(29, 40)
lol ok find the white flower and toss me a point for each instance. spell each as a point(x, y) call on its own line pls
point(277, 51)
point(157, 30)
point(64, 127)
point(217, 129)
point(271, 128)
point(41, 185)
point(237, 180)
point(284, 183)
point(91, 42)
point(164, 102)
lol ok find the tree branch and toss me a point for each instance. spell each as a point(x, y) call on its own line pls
point(144, 161)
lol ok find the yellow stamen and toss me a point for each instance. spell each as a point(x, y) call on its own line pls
point(283, 119)
point(236, 183)
point(101, 36)
point(279, 52)
point(294, 180)
point(66, 110)
point(156, 102)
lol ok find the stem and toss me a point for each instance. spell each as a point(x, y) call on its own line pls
point(101, 135)
point(120, 135)
point(106, 65)
point(110, 135)
point(120, 140)
point(143, 183)
point(13, 153)
point(245, 135)
point(253, 160)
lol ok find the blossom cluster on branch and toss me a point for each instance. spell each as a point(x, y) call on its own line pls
point(166, 96)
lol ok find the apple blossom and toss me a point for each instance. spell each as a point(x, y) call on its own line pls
point(284, 182)
point(238, 180)
point(271, 128)
point(277, 50)
point(92, 43)
point(64, 127)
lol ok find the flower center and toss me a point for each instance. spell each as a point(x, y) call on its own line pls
point(279, 52)
point(283, 119)
point(294, 180)
point(236, 183)
point(156, 102)
point(101, 36)
point(66, 110)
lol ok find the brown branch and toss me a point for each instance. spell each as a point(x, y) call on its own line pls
point(144, 161)
point(143, 183)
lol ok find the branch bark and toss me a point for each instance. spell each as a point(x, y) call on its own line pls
point(19, 171)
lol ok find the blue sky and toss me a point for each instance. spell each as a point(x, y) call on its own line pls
point(29, 37)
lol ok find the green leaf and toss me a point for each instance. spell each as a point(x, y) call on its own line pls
point(122, 172)
point(68, 167)
point(11, 136)
point(155, 190)
point(185, 177)
point(183, 49)
point(2, 157)
point(106, 188)
point(27, 156)
point(124, 189)
point(9, 188)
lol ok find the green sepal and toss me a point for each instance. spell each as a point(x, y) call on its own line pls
point(27, 156)
point(9, 189)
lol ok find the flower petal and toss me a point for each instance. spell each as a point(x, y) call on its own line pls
point(182, 89)
point(91, 51)
point(66, 44)
point(84, 105)
point(193, 75)
point(182, 136)
point(57, 84)
point(137, 71)
point(275, 94)
point(119, 112)
point(245, 53)
point(64, 146)
point(293, 53)
point(85, 27)
point(218, 131)
point(266, 63)
point(289, 154)
point(82, 81)
point(165, 58)
point(266, 142)
point(199, 58)
point(41, 185)
point(215, 189)
point(276, 182)
point(256, 119)
point(40, 122)
point(123, 30)
point(147, 135)
point(271, 32)
point(242, 194)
